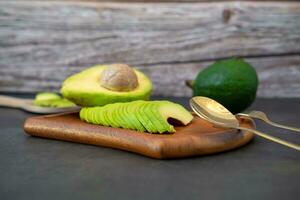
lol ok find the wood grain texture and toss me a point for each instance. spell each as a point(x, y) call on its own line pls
point(197, 138)
point(279, 77)
point(41, 43)
point(77, 33)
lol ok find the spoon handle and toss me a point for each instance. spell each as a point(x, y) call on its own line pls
point(283, 126)
point(266, 120)
point(262, 116)
point(11, 102)
point(274, 139)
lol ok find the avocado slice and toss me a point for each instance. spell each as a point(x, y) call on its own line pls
point(82, 113)
point(88, 88)
point(59, 103)
point(91, 113)
point(148, 107)
point(103, 117)
point(96, 115)
point(100, 117)
point(156, 118)
point(105, 122)
point(143, 113)
point(50, 99)
point(91, 116)
point(45, 98)
point(172, 110)
point(87, 115)
point(113, 108)
point(110, 117)
point(124, 117)
point(164, 123)
point(132, 118)
point(118, 115)
point(139, 116)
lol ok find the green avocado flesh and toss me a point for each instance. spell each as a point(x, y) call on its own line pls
point(85, 89)
point(49, 99)
point(144, 116)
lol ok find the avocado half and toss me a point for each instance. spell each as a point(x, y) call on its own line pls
point(85, 89)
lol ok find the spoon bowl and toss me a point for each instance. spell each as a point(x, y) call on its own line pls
point(213, 112)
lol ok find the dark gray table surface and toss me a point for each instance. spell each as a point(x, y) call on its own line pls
point(36, 168)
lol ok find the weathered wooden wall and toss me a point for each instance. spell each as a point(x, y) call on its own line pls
point(42, 42)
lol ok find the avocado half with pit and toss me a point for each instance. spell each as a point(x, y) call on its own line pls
point(105, 84)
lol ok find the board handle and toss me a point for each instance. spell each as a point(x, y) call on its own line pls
point(12, 102)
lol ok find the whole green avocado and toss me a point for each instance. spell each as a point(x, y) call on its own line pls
point(231, 82)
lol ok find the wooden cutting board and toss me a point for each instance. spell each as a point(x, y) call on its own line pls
point(197, 138)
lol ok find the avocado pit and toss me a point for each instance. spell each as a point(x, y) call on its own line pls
point(119, 77)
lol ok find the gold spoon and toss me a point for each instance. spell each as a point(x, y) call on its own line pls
point(27, 105)
point(217, 114)
point(254, 114)
point(262, 116)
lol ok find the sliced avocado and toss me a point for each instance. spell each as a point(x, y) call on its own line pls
point(97, 86)
point(138, 115)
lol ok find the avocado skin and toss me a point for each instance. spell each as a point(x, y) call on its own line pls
point(84, 89)
point(231, 82)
